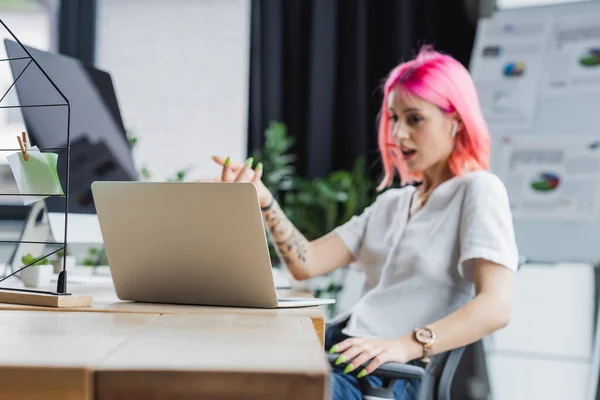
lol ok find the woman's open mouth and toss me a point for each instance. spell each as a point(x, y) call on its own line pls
point(408, 153)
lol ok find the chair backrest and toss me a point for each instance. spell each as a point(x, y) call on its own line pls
point(444, 385)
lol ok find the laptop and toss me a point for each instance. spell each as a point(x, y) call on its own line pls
point(199, 243)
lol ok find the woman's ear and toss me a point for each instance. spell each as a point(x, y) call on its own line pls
point(457, 126)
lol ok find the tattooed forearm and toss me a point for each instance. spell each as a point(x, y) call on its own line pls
point(291, 245)
point(295, 246)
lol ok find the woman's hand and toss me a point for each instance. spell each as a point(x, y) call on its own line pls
point(361, 350)
point(244, 173)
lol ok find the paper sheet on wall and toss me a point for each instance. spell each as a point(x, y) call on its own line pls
point(573, 55)
point(552, 179)
point(506, 69)
point(36, 176)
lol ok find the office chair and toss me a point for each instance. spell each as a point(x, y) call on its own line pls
point(436, 379)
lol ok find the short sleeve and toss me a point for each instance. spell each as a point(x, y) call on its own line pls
point(486, 227)
point(353, 231)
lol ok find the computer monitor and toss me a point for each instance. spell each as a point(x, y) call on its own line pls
point(99, 146)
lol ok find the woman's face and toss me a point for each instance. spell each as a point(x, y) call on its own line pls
point(421, 131)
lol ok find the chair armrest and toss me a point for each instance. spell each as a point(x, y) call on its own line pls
point(391, 370)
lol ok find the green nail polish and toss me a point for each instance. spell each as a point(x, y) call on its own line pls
point(259, 166)
point(249, 161)
point(348, 368)
point(340, 359)
point(227, 161)
point(333, 349)
point(361, 374)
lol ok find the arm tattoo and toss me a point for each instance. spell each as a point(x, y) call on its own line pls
point(290, 244)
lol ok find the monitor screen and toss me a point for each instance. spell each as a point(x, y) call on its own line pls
point(97, 136)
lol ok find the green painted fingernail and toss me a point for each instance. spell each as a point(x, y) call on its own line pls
point(227, 161)
point(348, 368)
point(361, 374)
point(333, 349)
point(249, 161)
point(259, 166)
point(340, 359)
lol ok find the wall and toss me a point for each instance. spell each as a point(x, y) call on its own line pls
point(180, 69)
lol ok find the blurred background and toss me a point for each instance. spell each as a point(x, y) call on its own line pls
point(157, 87)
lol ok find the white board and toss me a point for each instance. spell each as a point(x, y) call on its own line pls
point(537, 72)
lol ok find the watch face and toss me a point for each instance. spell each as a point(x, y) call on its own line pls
point(424, 335)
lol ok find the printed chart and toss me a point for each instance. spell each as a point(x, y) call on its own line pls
point(573, 56)
point(507, 69)
point(552, 179)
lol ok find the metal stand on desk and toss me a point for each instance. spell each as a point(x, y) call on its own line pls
point(60, 297)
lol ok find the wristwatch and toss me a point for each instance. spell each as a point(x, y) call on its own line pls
point(426, 337)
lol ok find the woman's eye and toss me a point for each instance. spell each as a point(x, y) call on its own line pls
point(413, 119)
point(393, 118)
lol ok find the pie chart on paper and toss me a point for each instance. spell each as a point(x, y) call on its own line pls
point(545, 182)
point(514, 69)
point(590, 58)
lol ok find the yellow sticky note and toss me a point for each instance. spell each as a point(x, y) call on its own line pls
point(36, 176)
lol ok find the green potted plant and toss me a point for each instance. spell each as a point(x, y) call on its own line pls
point(38, 273)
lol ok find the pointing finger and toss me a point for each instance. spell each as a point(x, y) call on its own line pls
point(233, 166)
point(257, 173)
point(244, 171)
point(226, 175)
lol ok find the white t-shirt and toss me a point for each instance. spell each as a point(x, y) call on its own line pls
point(418, 270)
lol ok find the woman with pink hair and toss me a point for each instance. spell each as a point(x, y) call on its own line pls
point(438, 254)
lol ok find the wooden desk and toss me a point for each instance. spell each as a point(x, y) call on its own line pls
point(105, 300)
point(51, 355)
point(83, 355)
point(117, 349)
point(217, 356)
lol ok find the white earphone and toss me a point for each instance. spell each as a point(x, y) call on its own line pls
point(454, 127)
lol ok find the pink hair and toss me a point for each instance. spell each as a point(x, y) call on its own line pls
point(443, 81)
